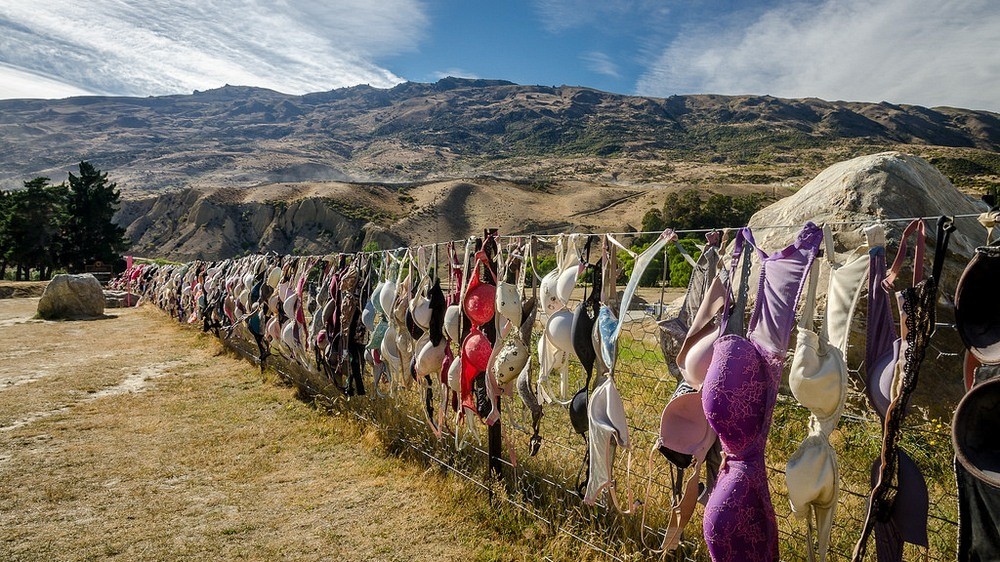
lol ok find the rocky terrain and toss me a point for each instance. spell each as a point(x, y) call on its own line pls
point(320, 217)
point(457, 128)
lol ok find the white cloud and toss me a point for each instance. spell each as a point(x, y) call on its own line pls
point(176, 46)
point(927, 52)
point(18, 83)
point(601, 63)
point(454, 73)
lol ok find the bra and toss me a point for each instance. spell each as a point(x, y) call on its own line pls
point(818, 380)
point(674, 331)
point(584, 319)
point(900, 516)
point(882, 368)
point(739, 395)
point(685, 434)
point(607, 425)
point(977, 310)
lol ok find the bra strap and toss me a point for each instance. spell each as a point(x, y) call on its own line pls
point(806, 321)
point(917, 226)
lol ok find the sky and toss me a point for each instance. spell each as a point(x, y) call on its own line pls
point(924, 52)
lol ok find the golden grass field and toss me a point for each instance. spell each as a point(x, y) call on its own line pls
point(130, 439)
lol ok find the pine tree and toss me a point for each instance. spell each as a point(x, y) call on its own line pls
point(89, 234)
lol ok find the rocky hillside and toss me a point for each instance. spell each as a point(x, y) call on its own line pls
point(455, 128)
point(321, 217)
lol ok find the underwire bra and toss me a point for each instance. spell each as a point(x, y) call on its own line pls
point(739, 394)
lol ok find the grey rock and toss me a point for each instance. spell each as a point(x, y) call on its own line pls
point(72, 297)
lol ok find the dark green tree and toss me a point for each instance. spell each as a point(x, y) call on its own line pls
point(90, 235)
point(35, 217)
point(5, 239)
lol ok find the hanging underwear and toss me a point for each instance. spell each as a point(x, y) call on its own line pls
point(607, 425)
point(894, 506)
point(818, 380)
point(739, 394)
point(974, 428)
point(674, 331)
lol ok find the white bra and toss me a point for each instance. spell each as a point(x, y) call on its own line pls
point(818, 380)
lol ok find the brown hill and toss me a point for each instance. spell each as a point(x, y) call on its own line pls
point(321, 217)
point(455, 128)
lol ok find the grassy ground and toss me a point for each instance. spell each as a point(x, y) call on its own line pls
point(131, 439)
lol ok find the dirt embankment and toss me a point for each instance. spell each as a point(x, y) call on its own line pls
point(128, 438)
point(21, 289)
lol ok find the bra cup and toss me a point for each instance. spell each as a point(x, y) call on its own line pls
point(289, 305)
point(421, 311)
point(909, 510)
point(476, 350)
point(378, 334)
point(288, 336)
point(607, 323)
point(273, 277)
point(508, 303)
point(430, 357)
point(547, 292)
point(565, 283)
point(510, 361)
point(811, 475)
point(817, 380)
point(578, 411)
point(684, 428)
point(368, 317)
point(479, 303)
point(376, 298)
point(399, 310)
point(699, 356)
point(583, 347)
point(390, 350)
point(559, 330)
point(452, 322)
point(388, 296)
point(274, 329)
point(733, 394)
point(880, 379)
point(455, 375)
point(607, 427)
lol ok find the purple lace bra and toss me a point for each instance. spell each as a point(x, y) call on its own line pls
point(738, 396)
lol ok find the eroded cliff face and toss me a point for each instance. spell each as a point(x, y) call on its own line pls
point(191, 224)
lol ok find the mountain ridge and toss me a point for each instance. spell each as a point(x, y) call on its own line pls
point(238, 136)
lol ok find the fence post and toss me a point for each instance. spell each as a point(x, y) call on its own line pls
point(495, 437)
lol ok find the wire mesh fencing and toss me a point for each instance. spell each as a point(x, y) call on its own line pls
point(546, 485)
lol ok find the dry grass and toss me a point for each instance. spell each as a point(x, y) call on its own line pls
point(131, 439)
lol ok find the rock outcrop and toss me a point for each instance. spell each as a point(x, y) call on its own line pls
point(887, 186)
point(72, 297)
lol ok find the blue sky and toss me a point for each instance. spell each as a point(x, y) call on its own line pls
point(927, 52)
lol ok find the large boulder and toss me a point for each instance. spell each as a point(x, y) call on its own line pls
point(887, 186)
point(72, 297)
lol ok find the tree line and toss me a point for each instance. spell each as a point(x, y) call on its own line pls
point(45, 227)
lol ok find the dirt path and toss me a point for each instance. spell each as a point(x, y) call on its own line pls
point(130, 439)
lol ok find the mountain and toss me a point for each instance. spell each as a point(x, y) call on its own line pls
point(458, 128)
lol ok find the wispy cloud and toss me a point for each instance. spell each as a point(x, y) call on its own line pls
point(928, 52)
point(454, 73)
point(601, 63)
point(561, 15)
point(176, 46)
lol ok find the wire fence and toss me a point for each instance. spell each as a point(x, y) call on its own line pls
point(545, 485)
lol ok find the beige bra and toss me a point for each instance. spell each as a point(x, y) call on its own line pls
point(818, 380)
